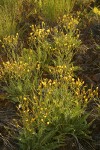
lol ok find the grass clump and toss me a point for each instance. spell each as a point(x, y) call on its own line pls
point(53, 10)
point(7, 23)
point(9, 14)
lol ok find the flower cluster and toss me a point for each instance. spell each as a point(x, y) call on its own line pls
point(16, 69)
point(61, 70)
point(69, 22)
point(10, 41)
point(38, 33)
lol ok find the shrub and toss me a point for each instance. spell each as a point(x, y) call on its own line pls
point(51, 102)
point(56, 109)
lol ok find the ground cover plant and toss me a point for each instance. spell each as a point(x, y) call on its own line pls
point(52, 104)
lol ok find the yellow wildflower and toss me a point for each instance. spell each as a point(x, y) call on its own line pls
point(42, 120)
point(24, 98)
point(96, 10)
point(48, 123)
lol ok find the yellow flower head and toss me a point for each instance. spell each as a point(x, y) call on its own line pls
point(48, 123)
point(96, 10)
point(24, 98)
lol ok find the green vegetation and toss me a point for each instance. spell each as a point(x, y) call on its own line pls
point(38, 75)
